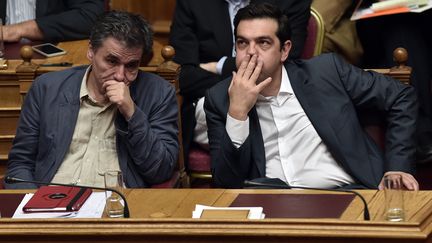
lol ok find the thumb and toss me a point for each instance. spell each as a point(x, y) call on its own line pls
point(232, 80)
point(264, 84)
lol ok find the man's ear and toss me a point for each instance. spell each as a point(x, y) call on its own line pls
point(286, 48)
point(90, 53)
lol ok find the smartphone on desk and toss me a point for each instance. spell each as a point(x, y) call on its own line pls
point(48, 50)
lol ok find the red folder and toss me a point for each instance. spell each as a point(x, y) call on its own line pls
point(296, 205)
point(57, 199)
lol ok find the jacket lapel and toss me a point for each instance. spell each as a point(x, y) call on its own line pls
point(309, 98)
point(68, 109)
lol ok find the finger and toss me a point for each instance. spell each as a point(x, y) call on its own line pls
point(243, 65)
point(410, 182)
point(110, 93)
point(261, 86)
point(232, 80)
point(381, 185)
point(250, 67)
point(108, 83)
point(257, 70)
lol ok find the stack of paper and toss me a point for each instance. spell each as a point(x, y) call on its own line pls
point(390, 4)
point(208, 212)
point(389, 7)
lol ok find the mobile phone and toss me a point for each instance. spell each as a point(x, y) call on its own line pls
point(48, 50)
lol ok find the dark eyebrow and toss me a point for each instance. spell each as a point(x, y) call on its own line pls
point(112, 56)
point(133, 63)
point(264, 38)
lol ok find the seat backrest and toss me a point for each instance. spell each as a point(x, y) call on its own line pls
point(315, 36)
point(170, 71)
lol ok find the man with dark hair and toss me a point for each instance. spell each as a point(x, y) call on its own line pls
point(202, 34)
point(298, 121)
point(79, 123)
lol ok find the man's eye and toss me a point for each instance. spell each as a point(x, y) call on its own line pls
point(241, 43)
point(264, 43)
point(111, 61)
point(132, 66)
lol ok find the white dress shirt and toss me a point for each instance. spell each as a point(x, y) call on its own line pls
point(294, 151)
point(18, 11)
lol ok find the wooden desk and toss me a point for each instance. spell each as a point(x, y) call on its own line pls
point(176, 205)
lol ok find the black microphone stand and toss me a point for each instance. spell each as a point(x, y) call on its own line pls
point(12, 180)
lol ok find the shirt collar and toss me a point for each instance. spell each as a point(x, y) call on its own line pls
point(285, 91)
point(83, 90)
point(235, 2)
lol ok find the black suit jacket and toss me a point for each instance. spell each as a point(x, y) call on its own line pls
point(62, 20)
point(331, 93)
point(201, 32)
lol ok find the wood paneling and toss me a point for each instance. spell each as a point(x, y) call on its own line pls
point(152, 10)
point(159, 14)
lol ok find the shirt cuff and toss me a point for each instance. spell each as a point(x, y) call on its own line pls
point(219, 65)
point(237, 130)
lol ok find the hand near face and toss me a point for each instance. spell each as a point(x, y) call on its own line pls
point(118, 93)
point(244, 89)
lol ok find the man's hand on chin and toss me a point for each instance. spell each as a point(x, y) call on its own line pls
point(118, 93)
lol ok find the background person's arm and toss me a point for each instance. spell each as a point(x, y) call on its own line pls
point(71, 23)
point(27, 29)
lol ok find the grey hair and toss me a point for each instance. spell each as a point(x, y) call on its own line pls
point(131, 29)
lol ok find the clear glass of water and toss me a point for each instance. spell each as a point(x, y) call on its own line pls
point(114, 204)
point(394, 198)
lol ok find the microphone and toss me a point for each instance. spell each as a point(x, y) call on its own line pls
point(13, 180)
point(277, 183)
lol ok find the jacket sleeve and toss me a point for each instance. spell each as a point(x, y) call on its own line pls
point(74, 22)
point(152, 137)
point(398, 102)
point(230, 165)
point(22, 157)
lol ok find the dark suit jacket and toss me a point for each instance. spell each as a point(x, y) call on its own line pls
point(201, 32)
point(147, 145)
point(62, 20)
point(331, 93)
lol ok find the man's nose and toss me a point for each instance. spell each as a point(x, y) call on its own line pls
point(119, 74)
point(252, 49)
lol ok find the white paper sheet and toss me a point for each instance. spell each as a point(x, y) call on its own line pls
point(92, 208)
point(254, 212)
